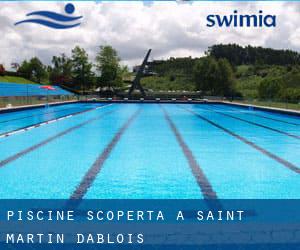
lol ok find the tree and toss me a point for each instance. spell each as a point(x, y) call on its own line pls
point(2, 70)
point(270, 88)
point(38, 70)
point(224, 84)
point(81, 69)
point(214, 76)
point(205, 73)
point(25, 69)
point(238, 55)
point(33, 70)
point(107, 64)
point(61, 70)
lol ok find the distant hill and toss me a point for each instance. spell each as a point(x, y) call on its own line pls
point(259, 73)
point(172, 74)
point(274, 82)
point(239, 55)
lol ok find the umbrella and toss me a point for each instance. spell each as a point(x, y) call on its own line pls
point(47, 87)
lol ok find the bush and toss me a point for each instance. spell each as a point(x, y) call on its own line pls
point(172, 78)
point(2, 70)
point(290, 95)
point(270, 88)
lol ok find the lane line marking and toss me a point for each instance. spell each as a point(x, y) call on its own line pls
point(38, 114)
point(256, 124)
point(280, 160)
point(201, 179)
point(50, 139)
point(94, 170)
point(266, 117)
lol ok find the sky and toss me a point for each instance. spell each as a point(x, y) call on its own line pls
point(171, 29)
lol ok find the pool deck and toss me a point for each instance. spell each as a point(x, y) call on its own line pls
point(263, 108)
point(19, 108)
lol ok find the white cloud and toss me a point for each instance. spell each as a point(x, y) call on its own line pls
point(169, 28)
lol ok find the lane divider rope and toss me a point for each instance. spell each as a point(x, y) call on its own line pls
point(17, 131)
point(50, 139)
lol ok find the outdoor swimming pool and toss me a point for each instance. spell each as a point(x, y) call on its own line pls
point(124, 150)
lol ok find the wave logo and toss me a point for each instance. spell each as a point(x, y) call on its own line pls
point(54, 20)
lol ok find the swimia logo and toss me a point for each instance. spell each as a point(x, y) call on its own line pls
point(239, 20)
point(54, 20)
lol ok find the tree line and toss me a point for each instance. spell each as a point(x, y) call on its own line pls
point(271, 73)
point(209, 75)
point(238, 55)
point(76, 71)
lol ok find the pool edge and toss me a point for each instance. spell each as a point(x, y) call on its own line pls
point(34, 106)
point(242, 105)
point(263, 108)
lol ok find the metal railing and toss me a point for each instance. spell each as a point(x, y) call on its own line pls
point(15, 101)
point(274, 103)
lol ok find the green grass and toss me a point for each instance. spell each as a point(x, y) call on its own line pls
point(165, 83)
point(15, 79)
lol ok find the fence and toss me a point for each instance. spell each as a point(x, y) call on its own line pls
point(287, 104)
point(14, 94)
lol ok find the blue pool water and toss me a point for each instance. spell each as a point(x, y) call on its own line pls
point(149, 151)
point(17, 120)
